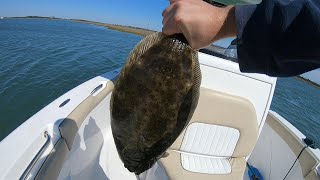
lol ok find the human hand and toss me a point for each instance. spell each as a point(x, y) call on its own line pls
point(200, 22)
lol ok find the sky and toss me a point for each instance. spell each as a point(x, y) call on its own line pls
point(138, 13)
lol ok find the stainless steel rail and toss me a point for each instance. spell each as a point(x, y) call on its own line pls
point(26, 173)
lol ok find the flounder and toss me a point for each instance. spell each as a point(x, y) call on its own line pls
point(154, 98)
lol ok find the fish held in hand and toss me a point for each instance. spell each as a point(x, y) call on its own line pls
point(154, 98)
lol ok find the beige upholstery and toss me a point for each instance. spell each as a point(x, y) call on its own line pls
point(69, 127)
point(53, 164)
point(224, 110)
point(172, 164)
point(313, 175)
point(307, 160)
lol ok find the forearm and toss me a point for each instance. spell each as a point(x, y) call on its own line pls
point(228, 28)
point(276, 37)
point(200, 22)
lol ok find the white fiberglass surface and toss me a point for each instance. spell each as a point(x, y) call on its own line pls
point(273, 157)
point(20, 146)
point(93, 154)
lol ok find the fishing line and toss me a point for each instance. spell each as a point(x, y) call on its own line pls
point(309, 143)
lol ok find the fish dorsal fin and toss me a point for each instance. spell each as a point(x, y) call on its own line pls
point(143, 46)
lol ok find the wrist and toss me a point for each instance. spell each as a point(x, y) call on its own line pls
point(230, 22)
point(228, 26)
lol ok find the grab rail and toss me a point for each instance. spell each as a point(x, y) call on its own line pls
point(36, 158)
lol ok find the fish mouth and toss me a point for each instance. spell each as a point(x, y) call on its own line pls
point(139, 166)
point(136, 159)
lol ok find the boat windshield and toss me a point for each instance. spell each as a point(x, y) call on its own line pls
point(226, 49)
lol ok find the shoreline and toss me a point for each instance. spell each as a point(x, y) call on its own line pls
point(307, 81)
point(128, 29)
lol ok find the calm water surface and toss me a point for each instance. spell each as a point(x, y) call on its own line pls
point(42, 59)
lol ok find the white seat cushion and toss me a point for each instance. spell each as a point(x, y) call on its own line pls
point(206, 165)
point(203, 143)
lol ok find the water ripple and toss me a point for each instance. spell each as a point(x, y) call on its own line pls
point(299, 103)
point(41, 60)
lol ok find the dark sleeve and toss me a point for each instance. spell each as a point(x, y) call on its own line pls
point(279, 37)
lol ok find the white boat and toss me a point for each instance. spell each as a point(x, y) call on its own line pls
point(71, 137)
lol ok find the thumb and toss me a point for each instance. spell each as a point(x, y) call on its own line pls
point(186, 32)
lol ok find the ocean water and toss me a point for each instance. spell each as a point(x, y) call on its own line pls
point(299, 103)
point(42, 59)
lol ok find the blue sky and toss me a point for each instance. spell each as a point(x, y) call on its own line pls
point(141, 13)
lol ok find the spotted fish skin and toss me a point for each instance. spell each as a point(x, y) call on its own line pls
point(154, 98)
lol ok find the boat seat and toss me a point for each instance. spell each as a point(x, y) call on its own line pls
point(222, 132)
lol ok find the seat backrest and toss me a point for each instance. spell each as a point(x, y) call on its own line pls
point(234, 113)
